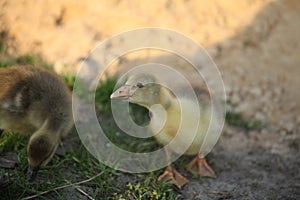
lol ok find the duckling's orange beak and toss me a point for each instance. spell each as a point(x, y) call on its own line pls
point(123, 93)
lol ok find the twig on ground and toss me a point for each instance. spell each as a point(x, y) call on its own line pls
point(64, 186)
point(85, 194)
point(82, 192)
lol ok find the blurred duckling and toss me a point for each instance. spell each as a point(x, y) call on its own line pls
point(36, 102)
point(142, 89)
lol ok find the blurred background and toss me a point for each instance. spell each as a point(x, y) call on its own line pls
point(255, 44)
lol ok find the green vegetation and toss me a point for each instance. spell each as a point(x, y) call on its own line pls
point(236, 119)
point(69, 80)
point(148, 190)
point(103, 93)
point(28, 59)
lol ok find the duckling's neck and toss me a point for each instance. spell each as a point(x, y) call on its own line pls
point(165, 98)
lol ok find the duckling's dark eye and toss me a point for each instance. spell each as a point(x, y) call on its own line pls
point(139, 85)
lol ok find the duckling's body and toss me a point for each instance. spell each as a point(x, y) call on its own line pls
point(34, 101)
point(143, 90)
point(171, 127)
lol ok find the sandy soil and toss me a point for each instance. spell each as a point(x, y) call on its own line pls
point(255, 44)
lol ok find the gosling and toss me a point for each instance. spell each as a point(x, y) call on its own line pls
point(143, 89)
point(36, 102)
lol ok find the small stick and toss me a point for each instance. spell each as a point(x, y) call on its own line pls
point(62, 187)
point(81, 191)
point(84, 193)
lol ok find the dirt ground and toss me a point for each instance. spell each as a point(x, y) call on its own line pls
point(255, 44)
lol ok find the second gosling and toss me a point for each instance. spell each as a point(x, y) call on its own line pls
point(36, 102)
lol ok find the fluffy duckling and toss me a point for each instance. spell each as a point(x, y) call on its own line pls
point(142, 89)
point(34, 101)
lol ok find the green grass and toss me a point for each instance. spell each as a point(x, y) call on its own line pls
point(148, 189)
point(75, 166)
point(28, 59)
point(103, 93)
point(69, 80)
point(236, 119)
point(7, 142)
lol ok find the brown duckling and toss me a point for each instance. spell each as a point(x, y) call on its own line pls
point(142, 89)
point(36, 102)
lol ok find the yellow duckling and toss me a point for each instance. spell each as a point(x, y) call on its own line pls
point(143, 90)
point(34, 101)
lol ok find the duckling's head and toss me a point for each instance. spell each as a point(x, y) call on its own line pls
point(141, 89)
point(40, 150)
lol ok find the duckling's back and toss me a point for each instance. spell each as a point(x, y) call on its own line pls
point(29, 96)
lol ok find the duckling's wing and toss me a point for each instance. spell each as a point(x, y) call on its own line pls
point(14, 95)
point(210, 113)
point(17, 100)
